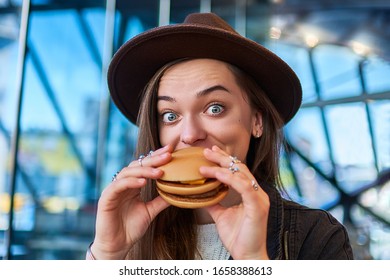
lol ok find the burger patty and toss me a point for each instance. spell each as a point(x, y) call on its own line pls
point(187, 189)
point(208, 194)
point(184, 184)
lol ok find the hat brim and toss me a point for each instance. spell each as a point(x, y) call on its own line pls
point(135, 63)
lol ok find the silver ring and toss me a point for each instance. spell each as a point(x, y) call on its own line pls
point(114, 176)
point(140, 159)
point(232, 163)
point(234, 169)
point(234, 160)
point(150, 153)
point(255, 185)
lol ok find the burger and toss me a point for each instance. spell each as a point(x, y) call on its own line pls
point(183, 186)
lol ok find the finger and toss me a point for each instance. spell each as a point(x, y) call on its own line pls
point(219, 156)
point(160, 151)
point(215, 148)
point(215, 154)
point(243, 182)
point(139, 172)
point(122, 185)
point(152, 161)
point(157, 158)
point(244, 186)
point(155, 206)
point(211, 172)
point(215, 211)
point(238, 181)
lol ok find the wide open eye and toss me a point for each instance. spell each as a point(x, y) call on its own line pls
point(169, 117)
point(215, 109)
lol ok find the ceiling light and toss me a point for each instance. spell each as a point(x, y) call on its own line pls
point(360, 48)
point(275, 33)
point(311, 40)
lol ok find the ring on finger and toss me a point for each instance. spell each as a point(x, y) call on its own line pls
point(140, 159)
point(150, 153)
point(234, 161)
point(255, 185)
point(234, 169)
point(114, 176)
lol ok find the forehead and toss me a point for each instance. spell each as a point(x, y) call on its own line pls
point(197, 70)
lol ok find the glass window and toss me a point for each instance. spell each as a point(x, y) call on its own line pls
point(315, 190)
point(66, 70)
point(351, 144)
point(179, 9)
point(54, 217)
point(372, 235)
point(380, 116)
point(298, 59)
point(337, 71)
point(306, 133)
point(9, 45)
point(376, 74)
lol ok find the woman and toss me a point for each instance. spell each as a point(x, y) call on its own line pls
point(207, 86)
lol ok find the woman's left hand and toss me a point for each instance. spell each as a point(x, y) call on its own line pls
point(241, 227)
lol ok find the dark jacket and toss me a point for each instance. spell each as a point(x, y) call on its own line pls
point(296, 232)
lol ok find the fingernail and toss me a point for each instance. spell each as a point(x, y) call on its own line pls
point(215, 148)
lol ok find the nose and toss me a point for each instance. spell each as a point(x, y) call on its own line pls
point(192, 131)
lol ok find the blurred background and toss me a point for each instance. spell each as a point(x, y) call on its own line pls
point(61, 140)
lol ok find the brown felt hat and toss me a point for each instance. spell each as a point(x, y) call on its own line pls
point(201, 35)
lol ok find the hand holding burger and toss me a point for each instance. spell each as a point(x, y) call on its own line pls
point(183, 186)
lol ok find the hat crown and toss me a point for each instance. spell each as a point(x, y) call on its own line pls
point(208, 20)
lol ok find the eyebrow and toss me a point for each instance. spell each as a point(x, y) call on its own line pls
point(201, 93)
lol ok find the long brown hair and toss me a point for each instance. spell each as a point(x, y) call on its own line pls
point(173, 234)
point(264, 153)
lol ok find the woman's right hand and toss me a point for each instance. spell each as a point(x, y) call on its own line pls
point(122, 218)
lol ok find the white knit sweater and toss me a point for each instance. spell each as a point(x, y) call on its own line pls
point(210, 246)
